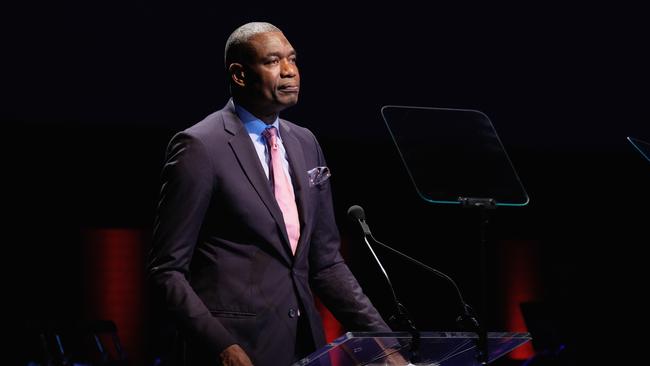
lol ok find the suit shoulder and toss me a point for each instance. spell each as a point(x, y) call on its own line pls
point(208, 134)
point(208, 128)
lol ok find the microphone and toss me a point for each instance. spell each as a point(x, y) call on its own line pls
point(467, 319)
point(356, 213)
point(401, 317)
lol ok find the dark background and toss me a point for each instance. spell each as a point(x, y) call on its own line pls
point(93, 92)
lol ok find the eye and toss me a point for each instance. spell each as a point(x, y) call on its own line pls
point(272, 61)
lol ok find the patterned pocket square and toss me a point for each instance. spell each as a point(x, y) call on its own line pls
point(318, 175)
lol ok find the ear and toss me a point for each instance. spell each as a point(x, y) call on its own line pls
point(237, 74)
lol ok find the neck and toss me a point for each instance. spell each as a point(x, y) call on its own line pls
point(265, 115)
point(266, 118)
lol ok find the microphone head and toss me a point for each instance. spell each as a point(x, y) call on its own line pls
point(356, 212)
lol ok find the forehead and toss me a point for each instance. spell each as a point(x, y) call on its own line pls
point(263, 44)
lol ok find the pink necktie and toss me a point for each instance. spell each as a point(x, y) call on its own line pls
point(282, 188)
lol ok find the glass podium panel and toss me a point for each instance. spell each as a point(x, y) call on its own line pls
point(453, 154)
point(436, 348)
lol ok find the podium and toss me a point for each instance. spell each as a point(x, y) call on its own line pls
point(451, 156)
point(435, 348)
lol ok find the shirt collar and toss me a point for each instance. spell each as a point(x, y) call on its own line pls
point(253, 124)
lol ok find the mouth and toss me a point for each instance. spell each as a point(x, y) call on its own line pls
point(289, 88)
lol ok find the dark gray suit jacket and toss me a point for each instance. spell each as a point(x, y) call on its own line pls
point(221, 257)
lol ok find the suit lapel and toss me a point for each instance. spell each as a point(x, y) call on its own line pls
point(300, 181)
point(246, 155)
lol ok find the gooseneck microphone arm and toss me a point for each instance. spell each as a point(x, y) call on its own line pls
point(390, 284)
point(401, 316)
point(467, 318)
point(467, 313)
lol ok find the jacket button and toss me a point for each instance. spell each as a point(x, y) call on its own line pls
point(292, 313)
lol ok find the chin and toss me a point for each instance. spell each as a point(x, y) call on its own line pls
point(288, 101)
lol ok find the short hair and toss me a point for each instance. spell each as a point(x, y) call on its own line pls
point(241, 36)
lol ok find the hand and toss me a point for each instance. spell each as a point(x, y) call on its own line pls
point(396, 359)
point(235, 356)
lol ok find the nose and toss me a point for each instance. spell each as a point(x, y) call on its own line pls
point(288, 69)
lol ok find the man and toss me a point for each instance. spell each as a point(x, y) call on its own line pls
point(232, 257)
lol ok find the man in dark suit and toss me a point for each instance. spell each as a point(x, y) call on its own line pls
point(236, 265)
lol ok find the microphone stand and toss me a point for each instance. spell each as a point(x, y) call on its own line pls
point(467, 319)
point(401, 316)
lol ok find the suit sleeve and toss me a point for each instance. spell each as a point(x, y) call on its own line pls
point(187, 186)
point(330, 277)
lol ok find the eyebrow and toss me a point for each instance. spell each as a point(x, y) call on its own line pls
point(278, 54)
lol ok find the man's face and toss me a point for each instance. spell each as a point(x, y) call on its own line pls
point(272, 79)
